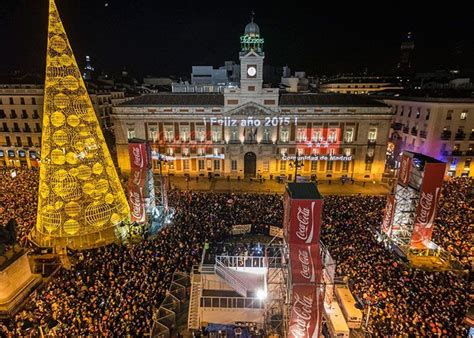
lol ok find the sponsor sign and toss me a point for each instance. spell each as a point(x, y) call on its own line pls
point(240, 229)
point(427, 205)
point(139, 158)
point(405, 170)
point(276, 231)
point(388, 215)
point(305, 316)
point(305, 262)
point(305, 221)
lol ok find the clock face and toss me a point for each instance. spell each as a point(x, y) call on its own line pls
point(251, 71)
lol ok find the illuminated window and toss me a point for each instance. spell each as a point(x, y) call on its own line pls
point(169, 133)
point(332, 136)
point(300, 151)
point(282, 165)
point(372, 134)
point(266, 165)
point(266, 134)
point(464, 115)
point(314, 165)
point(216, 133)
point(201, 151)
point(153, 134)
point(130, 133)
point(329, 165)
point(349, 135)
point(201, 164)
point(233, 165)
point(345, 165)
point(234, 136)
point(316, 135)
point(169, 151)
point(368, 166)
point(185, 151)
point(284, 135)
point(185, 133)
point(200, 134)
point(217, 165)
point(283, 151)
point(186, 164)
point(301, 135)
point(347, 151)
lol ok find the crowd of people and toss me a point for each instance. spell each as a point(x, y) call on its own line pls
point(113, 290)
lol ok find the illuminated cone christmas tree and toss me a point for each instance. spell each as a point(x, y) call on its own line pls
point(80, 197)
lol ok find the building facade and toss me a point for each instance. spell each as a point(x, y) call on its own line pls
point(359, 85)
point(252, 131)
point(21, 120)
point(442, 128)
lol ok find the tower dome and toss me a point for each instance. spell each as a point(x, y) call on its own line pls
point(252, 29)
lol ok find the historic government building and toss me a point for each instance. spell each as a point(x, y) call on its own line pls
point(252, 130)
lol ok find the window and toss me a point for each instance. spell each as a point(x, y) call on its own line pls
point(467, 163)
point(33, 100)
point(251, 88)
point(2, 114)
point(18, 141)
point(169, 133)
point(186, 164)
point(30, 141)
point(345, 165)
point(372, 134)
point(332, 136)
point(201, 164)
point(217, 165)
point(22, 100)
point(185, 133)
point(282, 165)
point(329, 165)
point(349, 135)
point(449, 115)
point(169, 151)
point(234, 136)
point(314, 165)
point(13, 114)
point(233, 165)
point(409, 112)
point(368, 166)
point(216, 133)
point(266, 134)
point(428, 112)
point(171, 164)
point(401, 111)
point(11, 100)
point(418, 113)
point(185, 151)
point(266, 165)
point(153, 134)
point(300, 151)
point(284, 135)
point(316, 135)
point(347, 151)
point(464, 115)
point(15, 127)
point(130, 133)
point(201, 151)
point(301, 135)
point(200, 134)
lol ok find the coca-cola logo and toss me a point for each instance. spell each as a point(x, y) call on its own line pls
point(302, 309)
point(307, 271)
point(304, 230)
point(137, 177)
point(404, 170)
point(137, 157)
point(427, 208)
point(136, 205)
point(388, 215)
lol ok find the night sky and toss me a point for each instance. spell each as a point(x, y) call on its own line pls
point(166, 38)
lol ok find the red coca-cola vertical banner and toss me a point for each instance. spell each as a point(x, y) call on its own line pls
point(136, 195)
point(138, 153)
point(405, 170)
point(305, 316)
point(305, 263)
point(427, 205)
point(305, 221)
point(388, 215)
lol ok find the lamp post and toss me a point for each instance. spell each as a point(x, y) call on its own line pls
point(297, 165)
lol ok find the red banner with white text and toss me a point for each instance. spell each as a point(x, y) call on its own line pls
point(388, 215)
point(137, 195)
point(305, 221)
point(139, 155)
point(306, 311)
point(305, 263)
point(405, 170)
point(427, 205)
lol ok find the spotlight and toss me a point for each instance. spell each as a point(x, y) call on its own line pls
point(261, 294)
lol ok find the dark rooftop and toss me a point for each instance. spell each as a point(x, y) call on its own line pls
point(177, 99)
point(426, 95)
point(304, 191)
point(335, 100)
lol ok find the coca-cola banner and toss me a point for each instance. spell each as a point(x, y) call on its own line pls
point(305, 221)
point(427, 205)
point(306, 311)
point(405, 170)
point(305, 262)
point(139, 155)
point(388, 215)
point(137, 194)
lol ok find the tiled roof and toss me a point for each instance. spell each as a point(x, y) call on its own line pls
point(334, 100)
point(177, 99)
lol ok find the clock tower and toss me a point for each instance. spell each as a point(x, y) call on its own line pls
point(251, 59)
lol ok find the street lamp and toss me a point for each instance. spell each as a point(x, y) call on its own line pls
point(297, 165)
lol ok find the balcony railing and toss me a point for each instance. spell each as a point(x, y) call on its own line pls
point(16, 130)
point(446, 135)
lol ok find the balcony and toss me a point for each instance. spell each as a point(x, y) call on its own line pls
point(16, 130)
point(460, 135)
point(405, 130)
point(446, 135)
point(397, 126)
point(371, 142)
point(414, 132)
point(13, 116)
point(5, 130)
point(2, 115)
point(24, 116)
point(423, 134)
point(35, 116)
